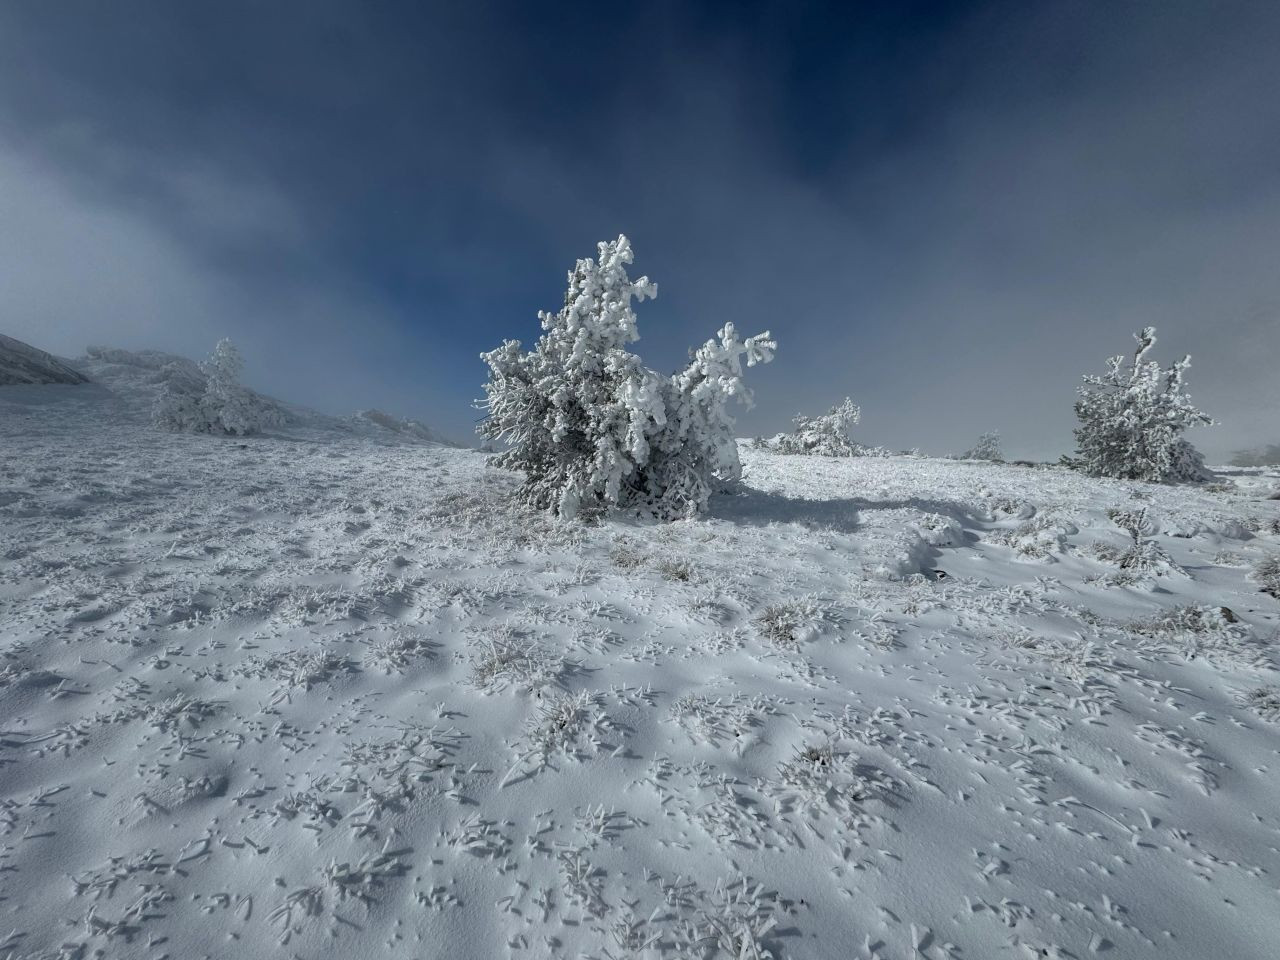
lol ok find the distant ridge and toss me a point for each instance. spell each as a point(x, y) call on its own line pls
point(22, 363)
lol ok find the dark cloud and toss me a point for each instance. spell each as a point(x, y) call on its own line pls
point(948, 212)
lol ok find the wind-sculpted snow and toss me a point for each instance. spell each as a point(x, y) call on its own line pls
point(332, 696)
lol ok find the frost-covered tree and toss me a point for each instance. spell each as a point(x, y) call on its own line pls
point(220, 405)
point(1132, 419)
point(823, 436)
point(591, 427)
point(694, 453)
point(987, 448)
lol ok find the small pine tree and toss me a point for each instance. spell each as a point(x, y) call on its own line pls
point(1132, 419)
point(988, 447)
point(223, 406)
point(823, 436)
point(591, 427)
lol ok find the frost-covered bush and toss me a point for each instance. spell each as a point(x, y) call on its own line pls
point(824, 436)
point(592, 428)
point(221, 404)
point(987, 448)
point(1132, 419)
point(1142, 557)
point(1265, 701)
point(1267, 574)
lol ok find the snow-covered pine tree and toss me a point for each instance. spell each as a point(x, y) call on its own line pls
point(694, 452)
point(1132, 419)
point(823, 436)
point(987, 448)
point(231, 407)
point(178, 405)
point(591, 427)
point(224, 405)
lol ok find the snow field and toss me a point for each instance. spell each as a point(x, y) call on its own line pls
point(321, 695)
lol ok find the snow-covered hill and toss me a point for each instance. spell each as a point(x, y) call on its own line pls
point(133, 380)
point(335, 696)
point(22, 363)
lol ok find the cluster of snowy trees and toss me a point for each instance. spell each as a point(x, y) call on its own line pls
point(592, 428)
point(219, 404)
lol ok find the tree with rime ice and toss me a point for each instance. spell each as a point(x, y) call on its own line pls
point(1132, 419)
point(988, 447)
point(823, 436)
point(591, 427)
point(221, 405)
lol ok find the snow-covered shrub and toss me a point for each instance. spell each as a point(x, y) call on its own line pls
point(1039, 537)
point(1267, 574)
point(987, 448)
point(1202, 631)
point(591, 427)
point(1265, 701)
point(501, 659)
point(1132, 419)
point(790, 625)
point(220, 405)
point(1142, 556)
point(824, 436)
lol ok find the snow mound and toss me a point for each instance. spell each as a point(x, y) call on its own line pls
point(414, 429)
point(21, 363)
point(137, 378)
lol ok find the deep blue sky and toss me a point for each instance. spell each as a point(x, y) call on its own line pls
point(945, 211)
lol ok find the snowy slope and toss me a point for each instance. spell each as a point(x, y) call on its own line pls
point(336, 697)
point(22, 363)
point(136, 378)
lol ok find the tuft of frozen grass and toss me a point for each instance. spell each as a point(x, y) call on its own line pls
point(1266, 572)
point(179, 710)
point(711, 720)
point(821, 779)
point(480, 837)
point(737, 922)
point(501, 659)
point(360, 879)
point(296, 668)
point(1038, 537)
point(676, 570)
point(582, 883)
point(298, 906)
point(1214, 633)
point(1141, 558)
point(394, 654)
point(563, 723)
point(1265, 702)
point(626, 554)
point(790, 625)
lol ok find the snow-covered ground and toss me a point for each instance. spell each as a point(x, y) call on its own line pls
point(330, 694)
